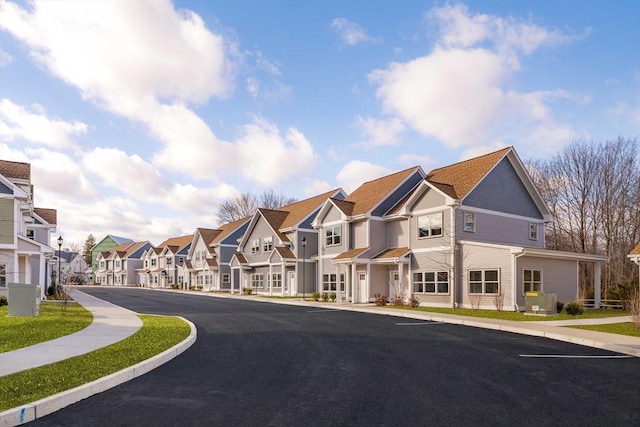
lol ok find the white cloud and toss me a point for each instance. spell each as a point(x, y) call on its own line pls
point(316, 187)
point(268, 157)
point(351, 33)
point(34, 127)
point(5, 58)
point(460, 93)
point(356, 172)
point(415, 159)
point(253, 86)
point(380, 132)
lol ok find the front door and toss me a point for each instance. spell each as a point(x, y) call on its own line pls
point(362, 287)
point(290, 284)
point(394, 280)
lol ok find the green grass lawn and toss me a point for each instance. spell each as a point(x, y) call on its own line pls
point(54, 321)
point(512, 315)
point(157, 334)
point(627, 328)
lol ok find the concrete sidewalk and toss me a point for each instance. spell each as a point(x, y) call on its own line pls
point(110, 325)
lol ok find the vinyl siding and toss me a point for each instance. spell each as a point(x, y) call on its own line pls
point(7, 224)
point(260, 231)
point(377, 236)
point(397, 233)
point(429, 199)
point(503, 191)
point(558, 276)
point(359, 234)
point(499, 229)
point(430, 242)
point(483, 258)
point(332, 215)
point(335, 249)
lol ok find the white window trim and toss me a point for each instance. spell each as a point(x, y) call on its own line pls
point(533, 231)
point(532, 269)
point(484, 281)
point(333, 236)
point(431, 235)
point(424, 283)
point(255, 246)
point(471, 229)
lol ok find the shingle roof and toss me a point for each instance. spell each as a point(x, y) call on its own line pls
point(392, 253)
point(352, 253)
point(636, 250)
point(275, 219)
point(134, 247)
point(120, 240)
point(458, 179)
point(241, 258)
point(15, 170)
point(285, 253)
point(300, 210)
point(49, 215)
point(369, 194)
point(180, 242)
point(344, 206)
point(228, 228)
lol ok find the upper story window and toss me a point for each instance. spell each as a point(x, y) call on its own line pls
point(255, 246)
point(267, 244)
point(226, 278)
point(533, 231)
point(430, 225)
point(470, 222)
point(30, 234)
point(334, 235)
point(102, 264)
point(117, 264)
point(146, 263)
point(154, 262)
point(3, 275)
point(169, 261)
point(197, 255)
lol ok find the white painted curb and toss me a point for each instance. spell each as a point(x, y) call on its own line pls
point(29, 412)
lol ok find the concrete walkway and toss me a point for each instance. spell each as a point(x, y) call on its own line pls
point(110, 325)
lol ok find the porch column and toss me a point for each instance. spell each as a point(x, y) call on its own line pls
point(597, 270)
point(270, 279)
point(400, 277)
point(353, 282)
point(283, 278)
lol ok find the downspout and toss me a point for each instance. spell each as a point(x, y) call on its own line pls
point(454, 248)
point(514, 277)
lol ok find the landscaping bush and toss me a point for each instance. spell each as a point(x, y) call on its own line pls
point(574, 308)
point(247, 291)
point(397, 301)
point(325, 296)
point(333, 296)
point(559, 306)
point(3, 300)
point(381, 299)
point(413, 302)
point(316, 296)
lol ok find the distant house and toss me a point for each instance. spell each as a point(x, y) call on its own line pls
point(107, 244)
point(465, 235)
point(120, 266)
point(163, 266)
point(73, 267)
point(275, 254)
point(209, 261)
point(25, 230)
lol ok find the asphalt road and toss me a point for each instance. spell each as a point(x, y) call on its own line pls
point(261, 364)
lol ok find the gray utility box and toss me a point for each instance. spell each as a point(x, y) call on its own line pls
point(24, 299)
point(541, 303)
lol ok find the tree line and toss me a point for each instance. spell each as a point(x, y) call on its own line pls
point(593, 191)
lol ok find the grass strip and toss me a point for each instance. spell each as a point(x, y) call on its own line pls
point(627, 328)
point(158, 333)
point(54, 321)
point(512, 315)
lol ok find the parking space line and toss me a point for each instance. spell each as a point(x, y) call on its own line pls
point(419, 323)
point(573, 356)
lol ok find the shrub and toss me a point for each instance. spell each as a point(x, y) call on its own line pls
point(325, 296)
point(413, 302)
point(559, 306)
point(333, 296)
point(574, 308)
point(247, 291)
point(316, 296)
point(3, 300)
point(381, 299)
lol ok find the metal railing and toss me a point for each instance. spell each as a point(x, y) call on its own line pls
point(604, 303)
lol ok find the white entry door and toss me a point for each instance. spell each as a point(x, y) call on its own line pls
point(362, 287)
point(290, 286)
point(394, 281)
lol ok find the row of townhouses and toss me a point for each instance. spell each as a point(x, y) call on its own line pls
point(470, 234)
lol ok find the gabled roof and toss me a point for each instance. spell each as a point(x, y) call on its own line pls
point(371, 193)
point(240, 257)
point(134, 247)
point(392, 253)
point(458, 179)
point(49, 215)
point(636, 250)
point(179, 242)
point(275, 219)
point(344, 206)
point(298, 211)
point(350, 254)
point(285, 253)
point(208, 235)
point(227, 229)
point(15, 170)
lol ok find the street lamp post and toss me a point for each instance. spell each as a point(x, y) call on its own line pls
point(304, 244)
point(60, 240)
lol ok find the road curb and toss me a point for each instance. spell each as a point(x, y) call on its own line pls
point(48, 405)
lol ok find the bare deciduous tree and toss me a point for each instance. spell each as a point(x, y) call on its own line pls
point(245, 204)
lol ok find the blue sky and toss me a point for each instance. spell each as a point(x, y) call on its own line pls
point(138, 117)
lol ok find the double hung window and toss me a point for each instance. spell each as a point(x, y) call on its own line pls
point(431, 282)
point(532, 280)
point(334, 235)
point(255, 246)
point(484, 282)
point(430, 225)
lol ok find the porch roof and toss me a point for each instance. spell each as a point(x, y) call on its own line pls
point(349, 255)
point(392, 254)
point(548, 253)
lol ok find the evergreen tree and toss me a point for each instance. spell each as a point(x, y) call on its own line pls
point(88, 246)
